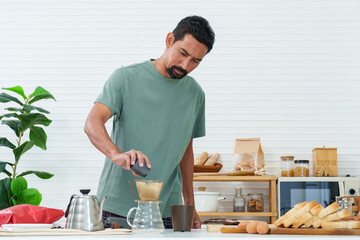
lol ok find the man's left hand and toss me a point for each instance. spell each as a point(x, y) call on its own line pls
point(196, 221)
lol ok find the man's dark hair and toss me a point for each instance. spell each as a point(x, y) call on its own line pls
point(198, 27)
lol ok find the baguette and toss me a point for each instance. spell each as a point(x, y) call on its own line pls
point(201, 158)
point(289, 213)
point(332, 208)
point(341, 224)
point(212, 159)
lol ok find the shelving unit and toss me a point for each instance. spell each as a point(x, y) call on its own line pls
point(272, 194)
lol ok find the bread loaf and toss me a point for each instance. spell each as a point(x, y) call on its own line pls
point(341, 224)
point(289, 213)
point(212, 159)
point(299, 214)
point(314, 212)
point(331, 218)
point(201, 158)
point(301, 220)
point(329, 210)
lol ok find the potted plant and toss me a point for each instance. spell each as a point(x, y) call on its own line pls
point(23, 118)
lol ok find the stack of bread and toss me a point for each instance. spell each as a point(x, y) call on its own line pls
point(207, 160)
point(312, 214)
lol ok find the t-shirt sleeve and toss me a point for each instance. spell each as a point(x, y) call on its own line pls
point(199, 126)
point(113, 93)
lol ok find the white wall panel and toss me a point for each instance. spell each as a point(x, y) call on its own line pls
point(285, 71)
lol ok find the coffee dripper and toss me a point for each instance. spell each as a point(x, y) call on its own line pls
point(147, 218)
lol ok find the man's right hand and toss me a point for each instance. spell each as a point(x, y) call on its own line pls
point(127, 159)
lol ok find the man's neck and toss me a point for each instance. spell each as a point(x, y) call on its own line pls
point(160, 67)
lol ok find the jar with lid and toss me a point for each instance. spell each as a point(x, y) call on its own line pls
point(301, 168)
point(238, 201)
point(255, 202)
point(287, 166)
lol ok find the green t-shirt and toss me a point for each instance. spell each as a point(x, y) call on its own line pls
point(157, 116)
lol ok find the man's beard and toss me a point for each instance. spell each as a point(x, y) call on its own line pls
point(173, 74)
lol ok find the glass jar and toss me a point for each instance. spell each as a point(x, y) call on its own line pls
point(238, 201)
point(287, 166)
point(255, 202)
point(301, 168)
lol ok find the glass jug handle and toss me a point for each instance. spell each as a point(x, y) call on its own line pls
point(128, 216)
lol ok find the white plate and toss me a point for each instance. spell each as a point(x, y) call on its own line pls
point(24, 226)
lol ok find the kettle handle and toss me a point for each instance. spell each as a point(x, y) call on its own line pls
point(68, 206)
point(128, 216)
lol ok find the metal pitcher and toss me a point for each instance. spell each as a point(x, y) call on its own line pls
point(84, 213)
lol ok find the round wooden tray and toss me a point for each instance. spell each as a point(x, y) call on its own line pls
point(202, 168)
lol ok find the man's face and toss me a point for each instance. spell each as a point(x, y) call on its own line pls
point(183, 56)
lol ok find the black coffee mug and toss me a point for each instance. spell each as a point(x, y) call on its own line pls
point(182, 217)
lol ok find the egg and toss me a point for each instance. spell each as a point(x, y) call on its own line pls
point(262, 228)
point(242, 225)
point(251, 227)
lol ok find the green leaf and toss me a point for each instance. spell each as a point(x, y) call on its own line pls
point(6, 143)
point(7, 173)
point(18, 185)
point(42, 96)
point(30, 196)
point(4, 97)
point(5, 193)
point(31, 119)
point(29, 108)
point(8, 115)
point(42, 175)
point(40, 93)
point(3, 166)
point(17, 89)
point(14, 125)
point(38, 137)
point(11, 109)
point(19, 151)
point(14, 202)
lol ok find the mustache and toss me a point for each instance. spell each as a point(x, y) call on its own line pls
point(180, 69)
point(175, 75)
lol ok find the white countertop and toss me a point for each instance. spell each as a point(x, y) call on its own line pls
point(194, 234)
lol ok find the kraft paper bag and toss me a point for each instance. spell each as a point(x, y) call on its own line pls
point(250, 154)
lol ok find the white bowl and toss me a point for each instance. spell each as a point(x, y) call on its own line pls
point(207, 201)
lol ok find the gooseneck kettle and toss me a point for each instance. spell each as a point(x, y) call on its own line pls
point(84, 212)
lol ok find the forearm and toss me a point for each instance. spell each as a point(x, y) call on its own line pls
point(187, 169)
point(96, 131)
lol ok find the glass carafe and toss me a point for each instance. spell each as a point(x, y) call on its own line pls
point(147, 217)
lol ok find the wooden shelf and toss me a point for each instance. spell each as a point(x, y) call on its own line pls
point(234, 214)
point(235, 178)
point(272, 194)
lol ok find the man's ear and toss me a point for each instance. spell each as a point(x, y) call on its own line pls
point(169, 39)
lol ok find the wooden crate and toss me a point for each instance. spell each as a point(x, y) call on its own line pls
point(325, 162)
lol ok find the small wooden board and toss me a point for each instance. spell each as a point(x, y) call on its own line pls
point(312, 231)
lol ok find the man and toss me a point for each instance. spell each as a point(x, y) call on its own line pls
point(157, 111)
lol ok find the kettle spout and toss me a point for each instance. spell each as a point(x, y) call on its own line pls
point(101, 208)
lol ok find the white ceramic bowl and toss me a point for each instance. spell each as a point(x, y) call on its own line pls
point(207, 201)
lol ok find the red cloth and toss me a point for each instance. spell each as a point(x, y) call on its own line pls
point(26, 213)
